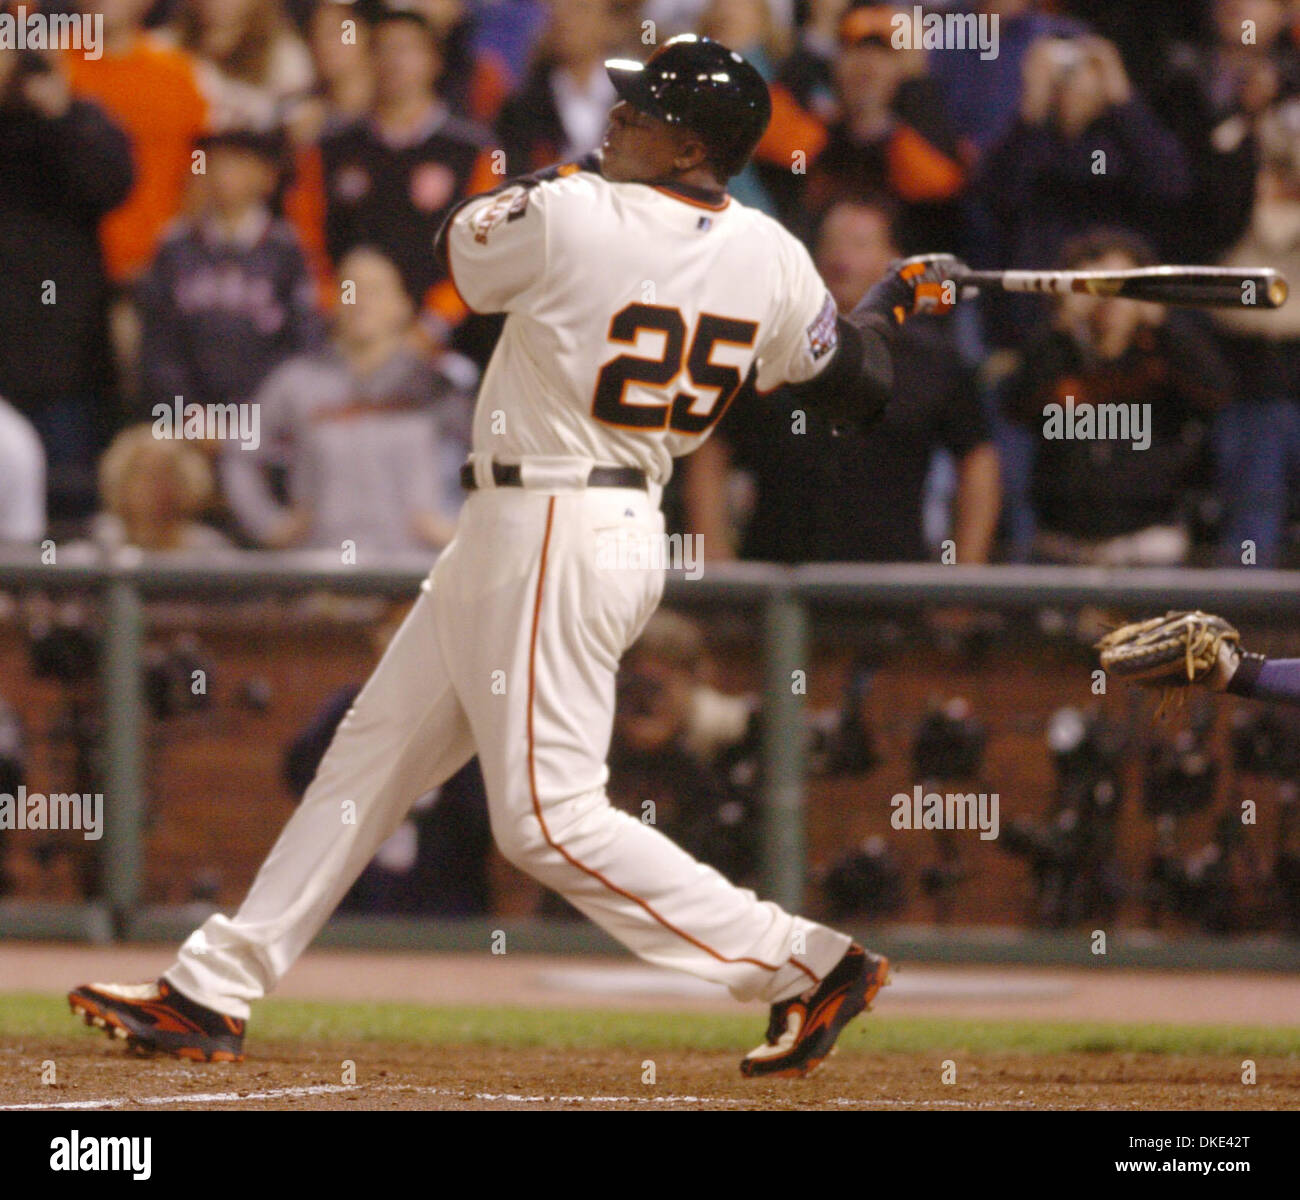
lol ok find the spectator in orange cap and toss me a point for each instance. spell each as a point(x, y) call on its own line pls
point(893, 135)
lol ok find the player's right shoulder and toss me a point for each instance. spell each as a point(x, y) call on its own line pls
point(580, 207)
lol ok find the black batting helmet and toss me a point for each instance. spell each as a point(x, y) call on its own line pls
point(702, 86)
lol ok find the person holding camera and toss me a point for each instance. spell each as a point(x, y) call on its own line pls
point(1086, 150)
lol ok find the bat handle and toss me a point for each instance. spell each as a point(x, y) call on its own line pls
point(1040, 282)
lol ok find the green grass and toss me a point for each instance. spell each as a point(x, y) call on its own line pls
point(29, 1015)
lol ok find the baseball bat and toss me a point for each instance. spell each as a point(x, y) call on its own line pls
point(1194, 287)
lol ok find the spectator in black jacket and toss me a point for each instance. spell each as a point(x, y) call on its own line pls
point(855, 497)
point(228, 297)
point(63, 165)
point(389, 180)
point(983, 94)
point(1116, 399)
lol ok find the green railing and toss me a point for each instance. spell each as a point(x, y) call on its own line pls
point(785, 597)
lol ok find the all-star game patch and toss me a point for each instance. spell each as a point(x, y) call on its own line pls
point(824, 333)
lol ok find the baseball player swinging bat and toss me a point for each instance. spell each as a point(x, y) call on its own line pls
point(638, 298)
point(1194, 287)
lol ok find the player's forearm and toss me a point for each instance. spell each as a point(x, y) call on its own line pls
point(857, 384)
point(979, 499)
point(1263, 678)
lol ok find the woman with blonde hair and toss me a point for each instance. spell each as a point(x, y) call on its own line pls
point(152, 489)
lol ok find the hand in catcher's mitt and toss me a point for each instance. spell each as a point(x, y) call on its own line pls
point(1176, 650)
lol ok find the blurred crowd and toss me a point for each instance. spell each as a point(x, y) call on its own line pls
point(231, 209)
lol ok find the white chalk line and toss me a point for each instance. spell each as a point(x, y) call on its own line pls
point(193, 1098)
point(450, 1093)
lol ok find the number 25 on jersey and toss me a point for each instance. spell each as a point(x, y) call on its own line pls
point(684, 413)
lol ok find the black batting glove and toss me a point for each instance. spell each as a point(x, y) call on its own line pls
point(925, 283)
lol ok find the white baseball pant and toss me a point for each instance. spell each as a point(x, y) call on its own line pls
point(510, 652)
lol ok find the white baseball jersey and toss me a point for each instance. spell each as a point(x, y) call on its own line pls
point(634, 315)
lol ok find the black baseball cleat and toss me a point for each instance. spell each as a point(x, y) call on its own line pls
point(155, 1016)
point(802, 1032)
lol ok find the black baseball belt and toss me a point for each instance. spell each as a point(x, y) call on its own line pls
point(509, 475)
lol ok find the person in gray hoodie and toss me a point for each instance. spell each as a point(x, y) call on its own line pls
point(369, 433)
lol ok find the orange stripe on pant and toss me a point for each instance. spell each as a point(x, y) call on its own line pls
point(537, 806)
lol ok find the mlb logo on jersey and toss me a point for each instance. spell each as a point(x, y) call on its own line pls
point(704, 224)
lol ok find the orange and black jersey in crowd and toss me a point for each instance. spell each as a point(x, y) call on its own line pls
point(917, 163)
point(1089, 487)
point(369, 191)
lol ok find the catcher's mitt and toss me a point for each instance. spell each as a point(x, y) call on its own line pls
point(1175, 650)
